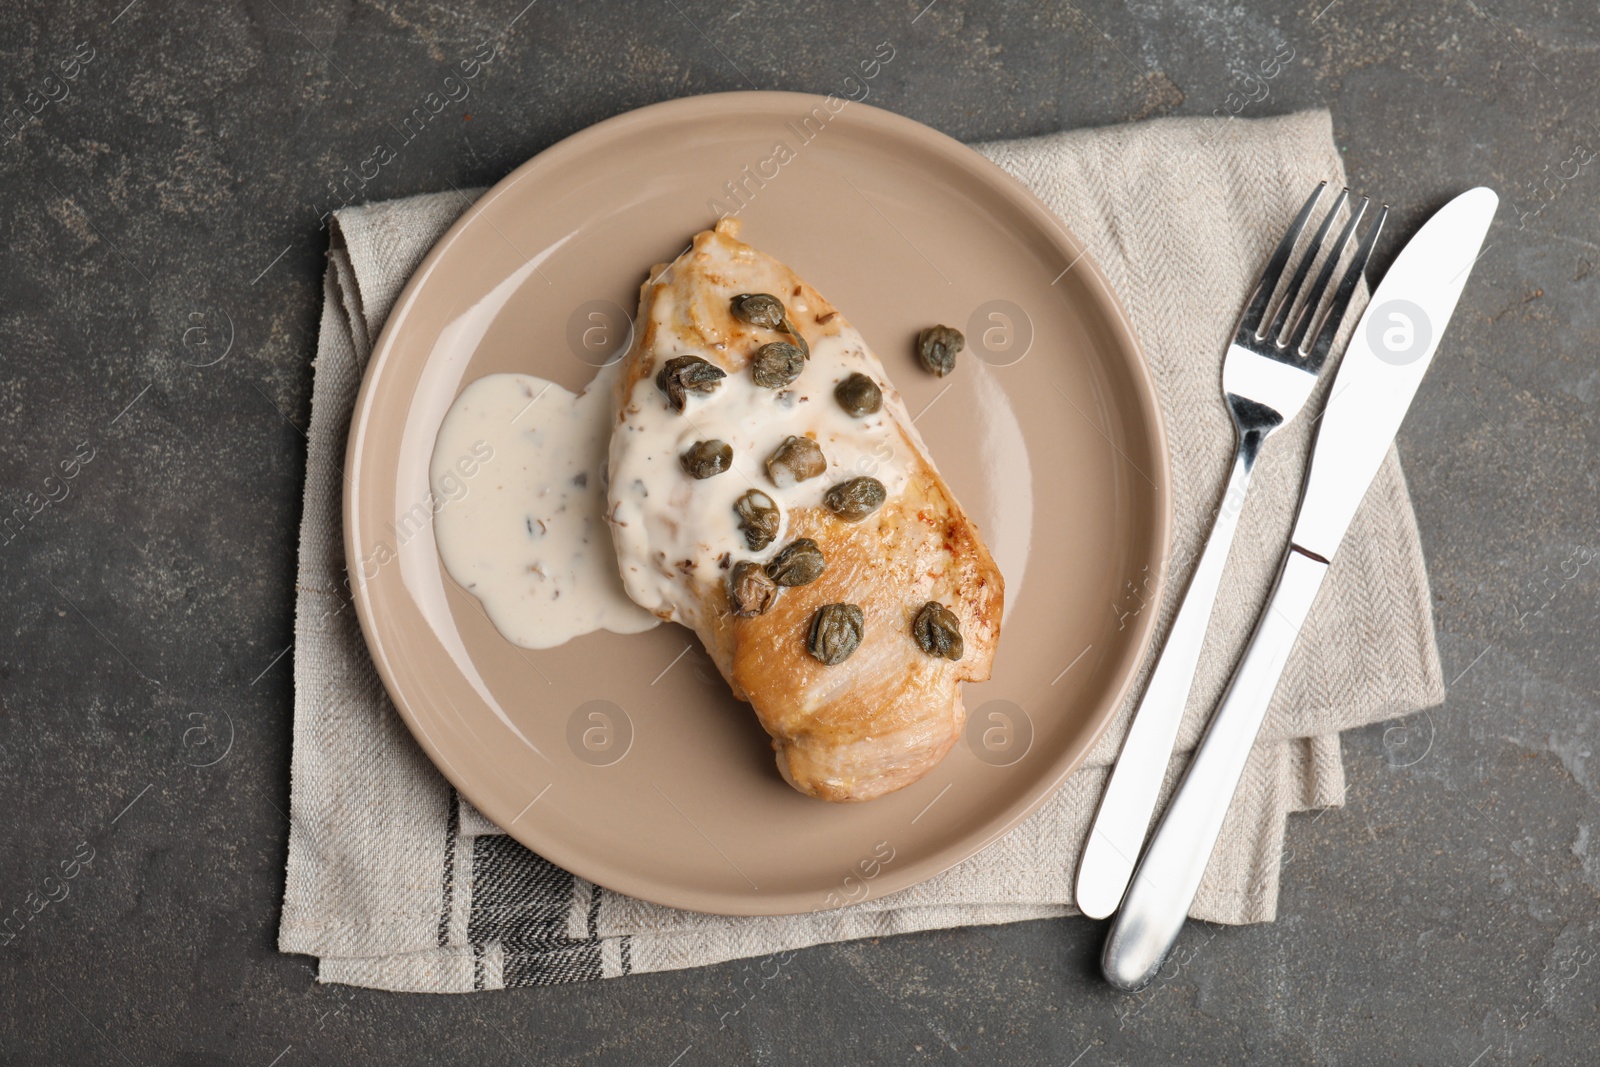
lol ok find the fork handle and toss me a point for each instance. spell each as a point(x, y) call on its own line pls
point(1123, 819)
point(1169, 875)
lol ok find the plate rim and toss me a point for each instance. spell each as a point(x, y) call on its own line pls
point(731, 901)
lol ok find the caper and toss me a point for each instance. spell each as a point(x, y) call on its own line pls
point(764, 309)
point(937, 347)
point(777, 364)
point(938, 631)
point(681, 375)
point(855, 499)
point(797, 459)
point(758, 309)
point(707, 459)
point(859, 395)
point(750, 591)
point(799, 562)
point(758, 519)
point(836, 631)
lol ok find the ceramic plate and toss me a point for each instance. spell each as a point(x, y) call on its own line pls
point(1048, 432)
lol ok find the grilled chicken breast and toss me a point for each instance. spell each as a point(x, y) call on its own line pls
point(866, 700)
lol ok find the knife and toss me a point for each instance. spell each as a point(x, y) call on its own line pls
point(1393, 345)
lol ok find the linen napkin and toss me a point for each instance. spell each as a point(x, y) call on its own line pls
point(395, 882)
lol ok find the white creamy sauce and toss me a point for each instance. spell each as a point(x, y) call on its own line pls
point(525, 533)
point(668, 526)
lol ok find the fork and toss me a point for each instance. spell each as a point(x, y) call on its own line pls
point(1269, 371)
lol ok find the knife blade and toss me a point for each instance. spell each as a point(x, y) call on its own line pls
point(1393, 345)
point(1391, 350)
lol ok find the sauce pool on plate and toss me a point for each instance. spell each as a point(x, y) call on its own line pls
point(526, 533)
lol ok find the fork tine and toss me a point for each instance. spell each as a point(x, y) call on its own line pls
point(1308, 314)
point(1280, 320)
point(1256, 310)
point(1341, 297)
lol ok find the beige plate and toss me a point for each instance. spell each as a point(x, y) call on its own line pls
point(1048, 432)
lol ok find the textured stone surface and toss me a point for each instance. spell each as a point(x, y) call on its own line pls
point(171, 201)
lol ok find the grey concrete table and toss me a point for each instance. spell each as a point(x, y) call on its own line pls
point(1448, 914)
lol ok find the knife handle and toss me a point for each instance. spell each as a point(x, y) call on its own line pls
point(1167, 878)
point(1123, 818)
